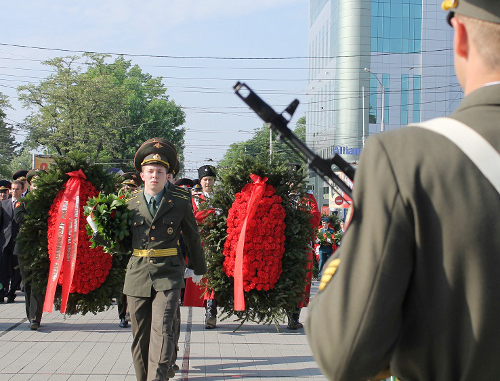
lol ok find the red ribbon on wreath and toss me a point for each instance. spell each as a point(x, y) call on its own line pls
point(256, 196)
point(64, 258)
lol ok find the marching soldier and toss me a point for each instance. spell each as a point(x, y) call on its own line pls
point(198, 296)
point(33, 300)
point(155, 272)
point(413, 288)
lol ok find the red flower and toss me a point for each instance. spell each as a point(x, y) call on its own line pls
point(264, 239)
point(92, 265)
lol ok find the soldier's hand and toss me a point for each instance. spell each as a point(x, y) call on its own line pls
point(197, 278)
point(91, 223)
point(188, 273)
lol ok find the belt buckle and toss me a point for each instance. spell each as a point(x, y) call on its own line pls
point(151, 252)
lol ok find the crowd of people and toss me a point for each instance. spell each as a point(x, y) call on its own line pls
point(411, 291)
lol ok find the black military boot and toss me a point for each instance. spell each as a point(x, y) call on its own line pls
point(211, 314)
point(293, 321)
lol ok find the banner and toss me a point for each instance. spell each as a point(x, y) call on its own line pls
point(63, 255)
point(257, 193)
point(42, 161)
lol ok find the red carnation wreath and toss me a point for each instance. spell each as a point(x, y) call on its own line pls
point(92, 265)
point(264, 239)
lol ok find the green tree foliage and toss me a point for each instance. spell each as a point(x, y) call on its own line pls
point(258, 146)
point(104, 110)
point(7, 137)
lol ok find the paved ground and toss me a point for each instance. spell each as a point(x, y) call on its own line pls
point(94, 347)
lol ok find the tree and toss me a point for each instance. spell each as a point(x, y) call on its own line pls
point(105, 111)
point(7, 137)
point(258, 145)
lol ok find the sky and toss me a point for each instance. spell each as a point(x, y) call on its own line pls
point(201, 48)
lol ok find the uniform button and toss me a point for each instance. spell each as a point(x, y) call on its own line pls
point(152, 238)
point(151, 261)
point(153, 227)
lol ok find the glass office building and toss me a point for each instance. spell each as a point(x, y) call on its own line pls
point(405, 47)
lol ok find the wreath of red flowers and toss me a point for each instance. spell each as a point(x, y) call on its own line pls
point(264, 239)
point(92, 264)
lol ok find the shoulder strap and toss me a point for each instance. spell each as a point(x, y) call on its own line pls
point(477, 148)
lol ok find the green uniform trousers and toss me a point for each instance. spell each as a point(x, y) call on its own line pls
point(34, 301)
point(153, 346)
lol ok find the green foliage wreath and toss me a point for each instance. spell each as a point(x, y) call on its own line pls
point(32, 238)
point(261, 306)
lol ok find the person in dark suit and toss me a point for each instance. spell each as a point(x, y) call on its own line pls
point(10, 274)
point(155, 272)
point(413, 289)
point(21, 176)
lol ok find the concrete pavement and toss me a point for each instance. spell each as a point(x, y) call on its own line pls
point(94, 347)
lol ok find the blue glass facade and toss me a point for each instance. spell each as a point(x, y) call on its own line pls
point(396, 26)
point(315, 8)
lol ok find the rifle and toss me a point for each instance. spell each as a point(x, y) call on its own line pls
point(279, 124)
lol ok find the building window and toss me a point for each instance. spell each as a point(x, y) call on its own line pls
point(385, 82)
point(396, 26)
point(416, 98)
point(405, 83)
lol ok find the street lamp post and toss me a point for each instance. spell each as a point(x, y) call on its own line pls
point(382, 125)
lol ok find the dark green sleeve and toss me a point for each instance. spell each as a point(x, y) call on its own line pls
point(20, 213)
point(354, 322)
point(192, 241)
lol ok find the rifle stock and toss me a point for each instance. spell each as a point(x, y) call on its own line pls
point(280, 124)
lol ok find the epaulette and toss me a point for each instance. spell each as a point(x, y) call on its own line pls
point(180, 189)
point(133, 195)
point(184, 194)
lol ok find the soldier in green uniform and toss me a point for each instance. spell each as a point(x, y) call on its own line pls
point(155, 272)
point(414, 287)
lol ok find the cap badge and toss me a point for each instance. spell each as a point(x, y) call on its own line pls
point(448, 4)
point(156, 157)
point(158, 145)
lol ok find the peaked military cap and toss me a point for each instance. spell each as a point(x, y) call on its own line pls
point(20, 175)
point(185, 182)
point(175, 170)
point(131, 179)
point(33, 174)
point(156, 151)
point(486, 10)
point(4, 185)
point(206, 170)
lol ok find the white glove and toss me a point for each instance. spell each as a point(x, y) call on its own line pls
point(328, 240)
point(218, 211)
point(188, 273)
point(91, 223)
point(197, 278)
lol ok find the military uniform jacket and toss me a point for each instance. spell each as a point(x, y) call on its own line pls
point(173, 215)
point(418, 285)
